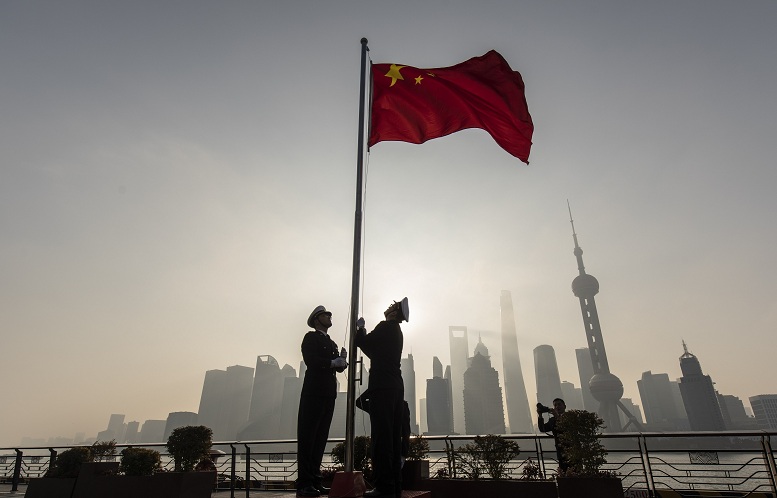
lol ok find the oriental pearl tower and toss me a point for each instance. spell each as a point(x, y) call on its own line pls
point(605, 387)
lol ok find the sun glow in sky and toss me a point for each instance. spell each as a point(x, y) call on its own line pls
point(177, 193)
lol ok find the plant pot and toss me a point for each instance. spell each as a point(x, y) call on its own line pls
point(413, 471)
point(491, 488)
point(162, 485)
point(589, 487)
point(50, 487)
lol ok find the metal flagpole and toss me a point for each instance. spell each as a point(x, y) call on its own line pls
point(357, 244)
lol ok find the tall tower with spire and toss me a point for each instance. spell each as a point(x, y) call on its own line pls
point(518, 412)
point(699, 396)
point(605, 387)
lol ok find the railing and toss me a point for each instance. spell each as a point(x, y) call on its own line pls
point(737, 462)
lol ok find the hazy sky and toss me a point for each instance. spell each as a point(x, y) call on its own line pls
point(177, 192)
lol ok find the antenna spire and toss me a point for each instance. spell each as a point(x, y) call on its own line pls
point(578, 252)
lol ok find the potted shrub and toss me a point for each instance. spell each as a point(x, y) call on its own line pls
point(188, 445)
point(484, 466)
point(139, 462)
point(416, 466)
point(361, 455)
point(578, 434)
point(61, 476)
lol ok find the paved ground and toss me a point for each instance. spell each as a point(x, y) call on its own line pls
point(5, 490)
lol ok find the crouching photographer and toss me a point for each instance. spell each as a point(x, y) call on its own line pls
point(559, 407)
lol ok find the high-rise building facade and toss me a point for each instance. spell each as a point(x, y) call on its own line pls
point(699, 396)
point(225, 401)
point(519, 416)
point(765, 410)
point(176, 420)
point(439, 420)
point(152, 431)
point(585, 370)
point(659, 403)
point(408, 379)
point(459, 356)
point(546, 375)
point(483, 408)
point(734, 415)
point(292, 389)
point(572, 396)
point(264, 416)
point(131, 435)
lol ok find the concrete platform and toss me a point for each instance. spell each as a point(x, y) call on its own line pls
point(5, 490)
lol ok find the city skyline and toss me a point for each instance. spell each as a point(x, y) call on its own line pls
point(657, 417)
point(177, 190)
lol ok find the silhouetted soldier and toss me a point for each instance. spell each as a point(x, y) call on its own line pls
point(383, 346)
point(317, 401)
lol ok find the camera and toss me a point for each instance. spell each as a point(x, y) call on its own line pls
point(542, 408)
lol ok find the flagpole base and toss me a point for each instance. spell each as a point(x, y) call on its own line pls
point(348, 485)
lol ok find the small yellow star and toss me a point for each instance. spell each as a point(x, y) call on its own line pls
point(394, 74)
point(418, 80)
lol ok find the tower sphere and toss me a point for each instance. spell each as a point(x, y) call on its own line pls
point(585, 285)
point(606, 387)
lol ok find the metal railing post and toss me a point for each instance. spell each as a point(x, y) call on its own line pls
point(645, 457)
point(540, 460)
point(771, 469)
point(17, 470)
point(232, 475)
point(248, 471)
point(52, 458)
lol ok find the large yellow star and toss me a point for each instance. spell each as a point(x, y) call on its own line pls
point(418, 80)
point(394, 74)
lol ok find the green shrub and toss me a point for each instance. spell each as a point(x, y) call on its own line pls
point(488, 454)
point(68, 463)
point(188, 445)
point(418, 448)
point(578, 434)
point(139, 461)
point(361, 454)
point(103, 450)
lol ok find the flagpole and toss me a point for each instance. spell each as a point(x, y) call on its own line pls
point(357, 244)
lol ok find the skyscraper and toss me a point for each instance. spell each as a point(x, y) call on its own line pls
point(658, 403)
point(483, 408)
point(459, 356)
point(585, 370)
point(734, 415)
point(212, 402)
point(518, 413)
point(225, 401)
point(765, 411)
point(264, 416)
point(131, 435)
point(408, 379)
point(546, 375)
point(116, 429)
point(605, 387)
point(292, 388)
point(438, 402)
point(699, 396)
point(572, 396)
point(634, 410)
point(152, 431)
point(178, 419)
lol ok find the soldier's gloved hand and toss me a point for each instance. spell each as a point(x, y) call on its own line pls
point(360, 323)
point(339, 364)
point(343, 353)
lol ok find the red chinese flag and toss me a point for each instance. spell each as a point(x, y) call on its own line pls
point(415, 105)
